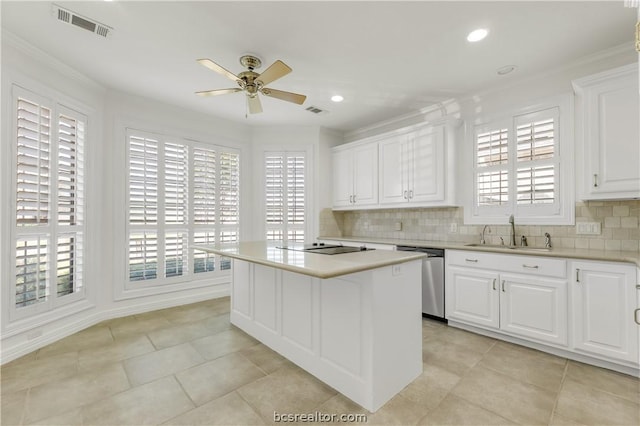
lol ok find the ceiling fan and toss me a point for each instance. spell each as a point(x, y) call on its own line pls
point(253, 83)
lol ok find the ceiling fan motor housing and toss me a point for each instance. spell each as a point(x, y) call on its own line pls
point(251, 62)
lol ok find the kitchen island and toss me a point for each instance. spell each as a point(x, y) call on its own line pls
point(352, 320)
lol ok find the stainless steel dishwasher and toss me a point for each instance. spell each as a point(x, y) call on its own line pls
point(432, 281)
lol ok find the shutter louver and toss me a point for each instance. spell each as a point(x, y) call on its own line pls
point(69, 263)
point(229, 189)
point(175, 183)
point(492, 148)
point(295, 190)
point(204, 186)
point(492, 178)
point(536, 172)
point(204, 261)
point(32, 284)
point(143, 180)
point(175, 252)
point(32, 168)
point(284, 196)
point(143, 256)
point(274, 192)
point(70, 170)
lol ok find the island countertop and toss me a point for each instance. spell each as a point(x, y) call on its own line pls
point(313, 264)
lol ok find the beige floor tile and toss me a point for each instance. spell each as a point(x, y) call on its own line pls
point(31, 356)
point(590, 406)
point(132, 326)
point(621, 385)
point(92, 337)
point(12, 408)
point(265, 358)
point(183, 333)
point(148, 404)
point(340, 404)
point(223, 343)
point(449, 356)
point(510, 398)
point(154, 365)
point(198, 311)
point(432, 328)
point(529, 366)
point(55, 398)
point(287, 390)
point(230, 409)
point(398, 411)
point(34, 372)
point(213, 379)
point(457, 411)
point(467, 340)
point(533, 353)
point(557, 419)
point(69, 418)
point(119, 350)
point(431, 386)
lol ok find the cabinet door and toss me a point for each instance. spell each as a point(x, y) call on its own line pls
point(365, 174)
point(342, 178)
point(603, 310)
point(426, 178)
point(393, 171)
point(534, 307)
point(611, 137)
point(472, 296)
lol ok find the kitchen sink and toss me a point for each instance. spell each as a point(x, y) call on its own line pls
point(499, 246)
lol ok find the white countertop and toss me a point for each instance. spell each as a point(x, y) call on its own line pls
point(571, 253)
point(313, 264)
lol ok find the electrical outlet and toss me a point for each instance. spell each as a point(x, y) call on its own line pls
point(453, 228)
point(588, 228)
point(396, 270)
point(398, 226)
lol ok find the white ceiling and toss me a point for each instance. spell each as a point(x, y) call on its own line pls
point(386, 58)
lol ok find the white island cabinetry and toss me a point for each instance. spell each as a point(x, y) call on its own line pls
point(352, 320)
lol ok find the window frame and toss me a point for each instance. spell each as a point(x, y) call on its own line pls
point(57, 104)
point(561, 212)
point(161, 228)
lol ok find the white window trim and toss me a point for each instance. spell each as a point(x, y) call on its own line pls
point(188, 279)
point(565, 210)
point(58, 104)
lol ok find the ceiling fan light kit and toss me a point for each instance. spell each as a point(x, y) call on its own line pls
point(253, 83)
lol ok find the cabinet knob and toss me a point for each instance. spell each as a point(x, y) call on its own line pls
point(410, 193)
point(595, 180)
point(577, 275)
point(404, 195)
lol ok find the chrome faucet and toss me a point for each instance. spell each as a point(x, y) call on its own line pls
point(482, 241)
point(547, 240)
point(512, 232)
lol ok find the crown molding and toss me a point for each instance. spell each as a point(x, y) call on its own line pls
point(39, 55)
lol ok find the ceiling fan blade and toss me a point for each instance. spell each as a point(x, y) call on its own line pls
point(255, 106)
point(277, 70)
point(217, 68)
point(217, 92)
point(285, 96)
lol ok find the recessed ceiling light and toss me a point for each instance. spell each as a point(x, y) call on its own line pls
point(506, 69)
point(477, 35)
point(337, 98)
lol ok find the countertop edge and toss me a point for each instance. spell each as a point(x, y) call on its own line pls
point(587, 254)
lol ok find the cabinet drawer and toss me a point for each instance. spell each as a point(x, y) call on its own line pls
point(534, 265)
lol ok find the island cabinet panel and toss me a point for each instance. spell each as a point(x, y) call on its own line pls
point(265, 295)
point(296, 308)
point(340, 325)
point(241, 293)
point(361, 333)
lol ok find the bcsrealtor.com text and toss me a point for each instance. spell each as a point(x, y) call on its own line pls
point(319, 417)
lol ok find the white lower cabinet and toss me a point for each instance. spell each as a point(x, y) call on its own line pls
point(523, 304)
point(604, 310)
point(589, 310)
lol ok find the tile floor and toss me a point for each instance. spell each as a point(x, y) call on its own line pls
point(188, 366)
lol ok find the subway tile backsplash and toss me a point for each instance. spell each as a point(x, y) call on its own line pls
point(619, 220)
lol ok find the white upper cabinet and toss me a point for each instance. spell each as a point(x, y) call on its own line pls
point(355, 176)
point(608, 139)
point(412, 167)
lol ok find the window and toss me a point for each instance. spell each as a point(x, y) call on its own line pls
point(517, 170)
point(180, 194)
point(285, 196)
point(49, 198)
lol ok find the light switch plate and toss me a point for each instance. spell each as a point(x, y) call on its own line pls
point(398, 226)
point(588, 228)
point(396, 270)
point(453, 228)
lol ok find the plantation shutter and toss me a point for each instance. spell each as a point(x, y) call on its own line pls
point(492, 167)
point(284, 196)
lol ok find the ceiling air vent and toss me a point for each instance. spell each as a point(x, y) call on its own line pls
point(317, 110)
point(72, 18)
